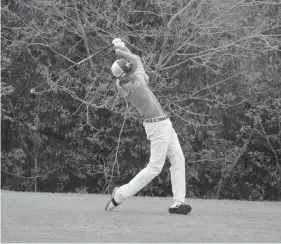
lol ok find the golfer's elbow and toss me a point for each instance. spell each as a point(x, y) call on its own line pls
point(134, 58)
point(128, 56)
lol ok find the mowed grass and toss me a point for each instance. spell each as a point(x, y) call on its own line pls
point(51, 217)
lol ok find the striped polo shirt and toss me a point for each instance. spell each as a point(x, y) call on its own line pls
point(137, 92)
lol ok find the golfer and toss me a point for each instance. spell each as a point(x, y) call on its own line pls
point(132, 83)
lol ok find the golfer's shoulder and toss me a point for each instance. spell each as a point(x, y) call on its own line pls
point(140, 77)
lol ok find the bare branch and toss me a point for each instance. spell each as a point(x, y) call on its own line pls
point(208, 87)
point(83, 33)
point(271, 147)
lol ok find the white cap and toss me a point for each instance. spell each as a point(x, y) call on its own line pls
point(117, 71)
point(120, 67)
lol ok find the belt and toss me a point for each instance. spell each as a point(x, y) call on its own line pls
point(155, 119)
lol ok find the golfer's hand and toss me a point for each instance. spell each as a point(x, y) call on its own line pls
point(118, 44)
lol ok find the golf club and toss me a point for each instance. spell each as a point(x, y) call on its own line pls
point(32, 91)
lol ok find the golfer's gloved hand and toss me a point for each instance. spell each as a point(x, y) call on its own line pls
point(117, 42)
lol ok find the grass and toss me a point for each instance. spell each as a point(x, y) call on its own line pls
point(51, 217)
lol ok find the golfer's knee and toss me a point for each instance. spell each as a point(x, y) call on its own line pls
point(177, 161)
point(154, 170)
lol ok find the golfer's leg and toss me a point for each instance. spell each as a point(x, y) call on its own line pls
point(177, 168)
point(159, 140)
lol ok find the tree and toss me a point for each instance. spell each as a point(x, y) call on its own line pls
point(213, 64)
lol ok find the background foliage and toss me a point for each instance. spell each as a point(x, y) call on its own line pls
point(213, 64)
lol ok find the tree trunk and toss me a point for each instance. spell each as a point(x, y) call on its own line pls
point(36, 171)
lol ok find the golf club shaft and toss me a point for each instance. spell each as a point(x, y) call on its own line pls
point(83, 60)
point(33, 89)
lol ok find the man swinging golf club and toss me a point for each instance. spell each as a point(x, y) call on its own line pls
point(132, 83)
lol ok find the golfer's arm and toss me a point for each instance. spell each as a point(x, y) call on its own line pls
point(135, 59)
point(127, 55)
point(125, 49)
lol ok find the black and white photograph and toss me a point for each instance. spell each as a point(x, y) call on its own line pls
point(146, 121)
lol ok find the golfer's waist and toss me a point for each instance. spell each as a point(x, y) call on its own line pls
point(155, 119)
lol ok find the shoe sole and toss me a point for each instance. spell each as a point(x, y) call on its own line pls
point(182, 209)
point(111, 197)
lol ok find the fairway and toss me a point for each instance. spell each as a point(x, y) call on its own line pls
point(52, 217)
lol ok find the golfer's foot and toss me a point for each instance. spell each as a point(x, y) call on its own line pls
point(112, 202)
point(180, 208)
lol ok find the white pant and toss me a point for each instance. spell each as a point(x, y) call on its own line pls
point(163, 142)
